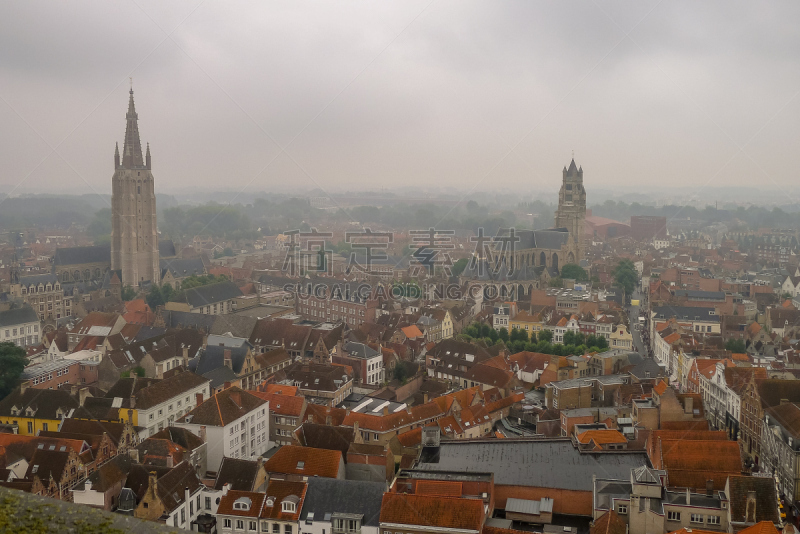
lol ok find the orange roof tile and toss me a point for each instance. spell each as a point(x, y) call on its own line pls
point(442, 512)
point(281, 389)
point(411, 438)
point(601, 437)
point(442, 488)
point(661, 387)
point(305, 461)
point(281, 404)
point(412, 332)
point(762, 527)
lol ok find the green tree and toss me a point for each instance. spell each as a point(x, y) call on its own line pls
point(128, 293)
point(154, 297)
point(517, 334)
point(574, 271)
point(556, 282)
point(626, 277)
point(504, 334)
point(459, 266)
point(166, 291)
point(546, 335)
point(12, 363)
point(735, 345)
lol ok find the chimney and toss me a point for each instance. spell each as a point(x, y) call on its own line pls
point(82, 394)
point(227, 359)
point(688, 405)
point(186, 357)
point(153, 482)
point(328, 420)
point(710, 488)
point(688, 497)
point(186, 502)
point(385, 410)
point(203, 433)
point(751, 505)
point(236, 397)
point(133, 402)
point(24, 386)
point(355, 427)
point(134, 455)
point(424, 398)
point(226, 385)
point(170, 461)
point(225, 489)
point(198, 398)
point(784, 401)
point(73, 390)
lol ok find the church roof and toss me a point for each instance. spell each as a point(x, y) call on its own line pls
point(572, 166)
point(82, 255)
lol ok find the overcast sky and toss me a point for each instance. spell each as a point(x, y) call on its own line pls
point(337, 95)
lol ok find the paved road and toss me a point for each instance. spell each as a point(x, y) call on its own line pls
point(633, 317)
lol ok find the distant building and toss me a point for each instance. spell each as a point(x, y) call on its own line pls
point(134, 235)
point(20, 326)
point(648, 227)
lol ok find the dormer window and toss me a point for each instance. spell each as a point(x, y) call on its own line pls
point(288, 506)
point(242, 503)
point(270, 501)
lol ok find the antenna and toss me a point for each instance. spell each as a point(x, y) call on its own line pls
point(130, 78)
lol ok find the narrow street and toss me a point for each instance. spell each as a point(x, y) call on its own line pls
point(633, 318)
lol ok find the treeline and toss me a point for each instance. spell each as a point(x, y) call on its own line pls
point(521, 340)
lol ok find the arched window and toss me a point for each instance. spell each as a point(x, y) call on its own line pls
point(76, 276)
point(97, 273)
point(65, 276)
point(87, 274)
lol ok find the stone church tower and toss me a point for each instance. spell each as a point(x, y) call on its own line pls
point(134, 239)
point(571, 212)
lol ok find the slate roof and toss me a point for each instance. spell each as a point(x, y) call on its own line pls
point(108, 474)
point(766, 498)
point(36, 279)
point(237, 325)
point(329, 495)
point(552, 463)
point(177, 319)
point(219, 376)
point(551, 239)
point(360, 350)
point(45, 402)
point(157, 391)
point(181, 436)
point(213, 357)
point(240, 474)
point(81, 255)
point(772, 391)
point(223, 408)
point(322, 436)
point(166, 248)
point(212, 293)
point(171, 486)
point(686, 313)
point(96, 428)
point(15, 316)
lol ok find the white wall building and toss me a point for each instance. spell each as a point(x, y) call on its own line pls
point(236, 425)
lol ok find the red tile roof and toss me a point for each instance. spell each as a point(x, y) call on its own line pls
point(282, 404)
point(256, 503)
point(305, 461)
point(442, 512)
point(277, 492)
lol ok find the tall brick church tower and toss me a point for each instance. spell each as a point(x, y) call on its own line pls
point(134, 239)
point(571, 212)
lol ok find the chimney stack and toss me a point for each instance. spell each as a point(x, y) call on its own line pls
point(203, 433)
point(225, 489)
point(750, 509)
point(227, 358)
point(134, 455)
point(328, 420)
point(133, 402)
point(24, 386)
point(82, 394)
point(198, 398)
point(153, 482)
point(710, 488)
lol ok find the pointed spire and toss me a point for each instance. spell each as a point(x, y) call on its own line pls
point(147, 157)
point(132, 146)
point(572, 166)
point(116, 155)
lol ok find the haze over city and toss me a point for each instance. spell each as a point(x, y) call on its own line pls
point(454, 96)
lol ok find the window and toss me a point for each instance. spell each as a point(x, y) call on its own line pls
point(239, 524)
point(287, 529)
point(227, 523)
point(713, 519)
point(276, 528)
point(264, 527)
point(208, 503)
point(673, 516)
point(696, 518)
point(183, 516)
point(622, 508)
point(252, 526)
